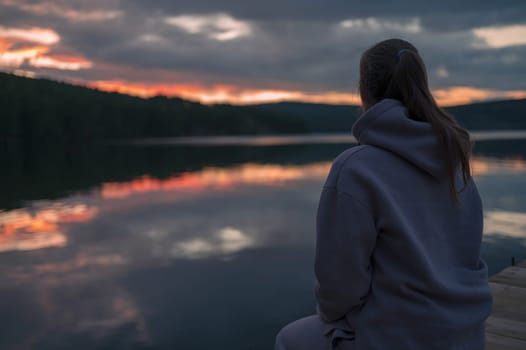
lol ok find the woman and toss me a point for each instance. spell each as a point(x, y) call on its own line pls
point(399, 225)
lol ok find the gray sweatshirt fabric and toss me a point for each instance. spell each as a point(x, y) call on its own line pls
point(395, 259)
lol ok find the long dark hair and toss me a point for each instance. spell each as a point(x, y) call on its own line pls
point(394, 69)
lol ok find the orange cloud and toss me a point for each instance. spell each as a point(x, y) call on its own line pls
point(35, 55)
point(61, 62)
point(15, 58)
point(63, 11)
point(37, 35)
point(5, 45)
point(502, 36)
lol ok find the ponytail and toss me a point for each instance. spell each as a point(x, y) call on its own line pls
point(394, 69)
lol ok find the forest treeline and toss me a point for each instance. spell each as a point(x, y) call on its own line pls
point(41, 110)
point(45, 110)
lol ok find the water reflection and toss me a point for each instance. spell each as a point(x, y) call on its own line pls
point(40, 226)
point(217, 178)
point(488, 165)
point(269, 140)
point(507, 223)
point(25, 230)
point(225, 241)
point(140, 261)
point(70, 300)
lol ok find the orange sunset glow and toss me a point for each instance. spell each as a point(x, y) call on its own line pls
point(452, 96)
point(33, 46)
point(459, 95)
point(222, 93)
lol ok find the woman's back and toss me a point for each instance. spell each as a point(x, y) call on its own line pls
point(426, 286)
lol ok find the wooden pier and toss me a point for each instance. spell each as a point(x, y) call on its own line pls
point(506, 327)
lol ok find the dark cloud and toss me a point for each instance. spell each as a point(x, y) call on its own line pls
point(299, 44)
point(325, 10)
point(457, 21)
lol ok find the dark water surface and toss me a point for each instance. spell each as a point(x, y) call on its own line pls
point(185, 247)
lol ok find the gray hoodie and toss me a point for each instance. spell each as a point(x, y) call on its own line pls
point(395, 258)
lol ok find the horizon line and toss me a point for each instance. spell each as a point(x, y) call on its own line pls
point(144, 93)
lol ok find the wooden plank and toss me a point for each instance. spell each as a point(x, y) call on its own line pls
point(509, 302)
point(513, 275)
point(501, 289)
point(499, 342)
point(505, 327)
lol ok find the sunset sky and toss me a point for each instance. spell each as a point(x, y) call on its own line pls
point(257, 51)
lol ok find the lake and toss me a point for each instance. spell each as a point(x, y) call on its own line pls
point(189, 245)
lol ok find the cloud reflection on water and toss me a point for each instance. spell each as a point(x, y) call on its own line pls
point(214, 178)
point(24, 230)
point(41, 226)
point(507, 223)
point(225, 241)
point(218, 179)
point(488, 165)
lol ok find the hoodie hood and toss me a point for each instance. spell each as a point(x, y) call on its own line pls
point(387, 125)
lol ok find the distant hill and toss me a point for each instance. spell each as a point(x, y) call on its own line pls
point(494, 115)
point(41, 110)
point(317, 117)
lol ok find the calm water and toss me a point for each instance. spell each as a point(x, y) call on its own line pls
point(186, 247)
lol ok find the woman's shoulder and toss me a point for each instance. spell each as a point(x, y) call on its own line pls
point(358, 157)
point(349, 153)
point(354, 160)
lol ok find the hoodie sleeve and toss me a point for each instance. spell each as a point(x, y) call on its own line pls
point(345, 239)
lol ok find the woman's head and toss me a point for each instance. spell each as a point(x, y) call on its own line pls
point(393, 68)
